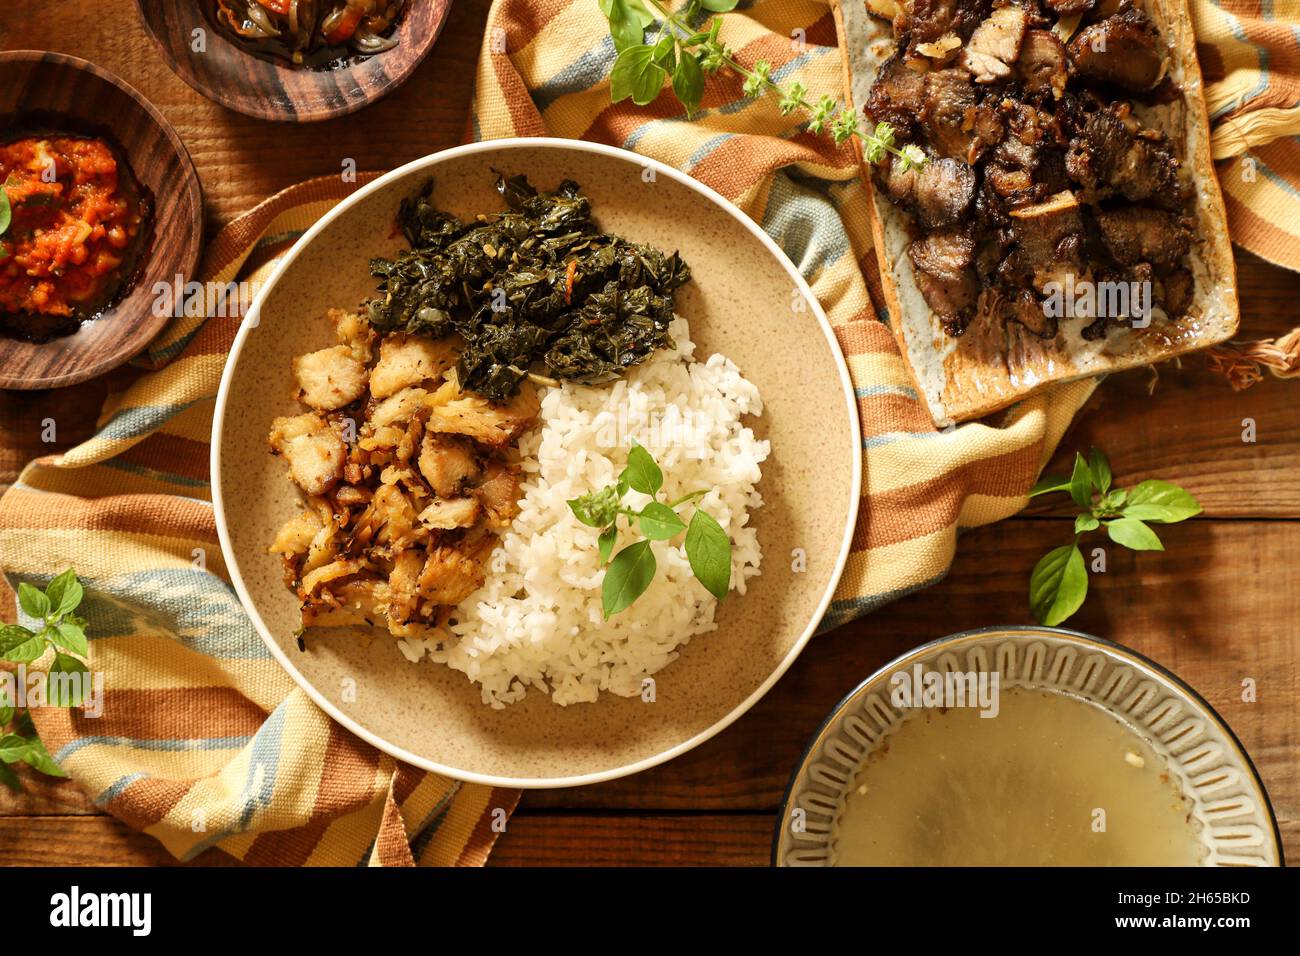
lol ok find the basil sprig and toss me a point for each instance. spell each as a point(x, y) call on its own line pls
point(708, 547)
point(1059, 582)
point(62, 631)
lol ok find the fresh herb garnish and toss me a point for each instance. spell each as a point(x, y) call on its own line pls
point(537, 283)
point(6, 213)
point(708, 548)
point(687, 55)
point(60, 631)
point(1059, 582)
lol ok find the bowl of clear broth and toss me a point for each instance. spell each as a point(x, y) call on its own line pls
point(1025, 746)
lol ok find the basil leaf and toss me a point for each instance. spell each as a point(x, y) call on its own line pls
point(708, 549)
point(637, 75)
point(606, 542)
point(1160, 501)
point(625, 27)
point(10, 779)
point(629, 574)
point(64, 593)
point(33, 601)
point(1058, 585)
point(719, 6)
point(38, 758)
point(641, 473)
point(688, 82)
point(64, 681)
point(1100, 467)
point(1132, 533)
point(597, 509)
point(1085, 523)
point(6, 213)
point(19, 644)
point(6, 711)
point(635, 9)
point(659, 522)
point(1049, 483)
point(70, 637)
point(1081, 482)
point(13, 749)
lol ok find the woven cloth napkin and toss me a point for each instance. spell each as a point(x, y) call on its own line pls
point(204, 741)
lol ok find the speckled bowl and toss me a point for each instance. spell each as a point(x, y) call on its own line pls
point(747, 301)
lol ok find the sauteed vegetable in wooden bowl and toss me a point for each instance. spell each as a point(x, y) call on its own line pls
point(294, 60)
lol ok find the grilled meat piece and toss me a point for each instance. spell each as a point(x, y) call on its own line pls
point(897, 96)
point(1041, 230)
point(995, 45)
point(1179, 288)
point(1066, 8)
point(946, 277)
point(949, 112)
point(1030, 312)
point(1123, 50)
point(1113, 152)
point(1136, 234)
point(1043, 66)
point(943, 192)
point(924, 21)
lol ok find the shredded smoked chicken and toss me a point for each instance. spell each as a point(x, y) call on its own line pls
point(407, 481)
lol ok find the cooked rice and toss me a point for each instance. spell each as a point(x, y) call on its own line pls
point(538, 620)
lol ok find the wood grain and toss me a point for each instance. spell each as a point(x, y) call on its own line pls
point(227, 73)
point(1220, 605)
point(41, 89)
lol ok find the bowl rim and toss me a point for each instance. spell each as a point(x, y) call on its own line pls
point(1017, 630)
point(255, 109)
point(152, 325)
point(251, 319)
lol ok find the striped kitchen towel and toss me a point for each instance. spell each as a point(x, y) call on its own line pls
point(203, 739)
point(545, 67)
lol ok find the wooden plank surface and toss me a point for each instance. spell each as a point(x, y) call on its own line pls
point(1219, 606)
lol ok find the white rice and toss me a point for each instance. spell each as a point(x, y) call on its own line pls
point(538, 620)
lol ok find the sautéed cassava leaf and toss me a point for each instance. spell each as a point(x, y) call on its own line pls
point(537, 283)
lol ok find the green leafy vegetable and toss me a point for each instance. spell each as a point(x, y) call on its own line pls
point(1059, 582)
point(709, 551)
point(536, 285)
point(61, 630)
point(708, 548)
point(6, 212)
point(627, 577)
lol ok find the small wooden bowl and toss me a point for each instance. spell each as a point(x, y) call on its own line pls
point(51, 90)
point(229, 74)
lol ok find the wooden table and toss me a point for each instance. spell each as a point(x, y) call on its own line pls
point(1221, 605)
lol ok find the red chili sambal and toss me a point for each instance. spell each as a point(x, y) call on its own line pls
point(77, 221)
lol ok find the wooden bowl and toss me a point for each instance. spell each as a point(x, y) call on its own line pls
point(44, 90)
point(746, 300)
point(229, 74)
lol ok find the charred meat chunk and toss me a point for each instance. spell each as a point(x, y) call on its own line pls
point(1112, 151)
point(1067, 8)
point(1049, 236)
point(945, 275)
point(995, 45)
point(944, 190)
point(1123, 50)
point(1178, 290)
point(925, 21)
point(949, 112)
point(1136, 234)
point(897, 96)
point(1043, 67)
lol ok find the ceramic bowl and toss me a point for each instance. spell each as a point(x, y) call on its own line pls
point(1228, 801)
point(747, 301)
